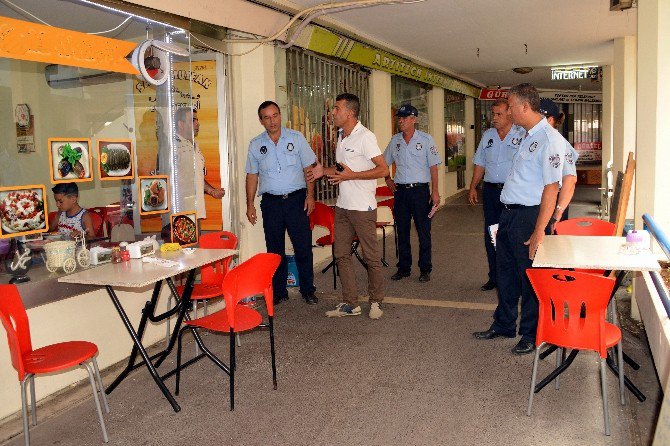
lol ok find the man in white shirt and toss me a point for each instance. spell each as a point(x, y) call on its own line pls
point(359, 164)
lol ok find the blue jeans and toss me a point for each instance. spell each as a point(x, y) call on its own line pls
point(516, 227)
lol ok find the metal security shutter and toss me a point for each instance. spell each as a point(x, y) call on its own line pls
point(313, 82)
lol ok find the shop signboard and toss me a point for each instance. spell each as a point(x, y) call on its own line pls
point(492, 94)
point(589, 152)
point(194, 84)
point(573, 97)
point(40, 43)
point(326, 42)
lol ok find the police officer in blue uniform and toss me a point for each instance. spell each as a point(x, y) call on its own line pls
point(554, 117)
point(277, 161)
point(529, 198)
point(493, 162)
point(416, 159)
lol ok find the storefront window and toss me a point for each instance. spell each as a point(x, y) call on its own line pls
point(406, 91)
point(454, 126)
point(312, 84)
point(98, 129)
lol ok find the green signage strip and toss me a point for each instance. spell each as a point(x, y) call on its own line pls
point(326, 42)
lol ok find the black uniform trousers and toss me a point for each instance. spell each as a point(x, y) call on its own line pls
point(516, 227)
point(287, 213)
point(413, 203)
point(492, 210)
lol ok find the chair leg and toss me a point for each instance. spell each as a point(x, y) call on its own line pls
point(384, 244)
point(195, 316)
point(33, 400)
point(559, 357)
point(272, 353)
point(178, 372)
point(167, 322)
point(395, 237)
point(91, 378)
point(232, 370)
point(96, 369)
point(24, 410)
point(622, 389)
point(603, 385)
point(237, 337)
point(533, 379)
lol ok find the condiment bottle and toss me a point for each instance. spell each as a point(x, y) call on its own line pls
point(125, 255)
point(116, 255)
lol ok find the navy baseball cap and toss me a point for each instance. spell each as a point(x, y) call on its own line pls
point(406, 110)
point(549, 108)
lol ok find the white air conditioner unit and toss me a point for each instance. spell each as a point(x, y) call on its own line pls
point(62, 76)
point(620, 5)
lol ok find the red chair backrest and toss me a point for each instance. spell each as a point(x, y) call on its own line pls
point(383, 191)
point(15, 320)
point(97, 220)
point(215, 272)
point(585, 226)
point(249, 279)
point(323, 215)
point(584, 297)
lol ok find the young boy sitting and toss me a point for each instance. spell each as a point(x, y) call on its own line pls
point(71, 219)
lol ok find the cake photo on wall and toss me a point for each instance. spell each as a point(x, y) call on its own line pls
point(23, 210)
point(115, 159)
point(70, 160)
point(153, 194)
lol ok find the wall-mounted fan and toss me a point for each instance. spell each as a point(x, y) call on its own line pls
point(151, 59)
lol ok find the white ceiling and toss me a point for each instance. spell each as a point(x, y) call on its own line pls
point(448, 34)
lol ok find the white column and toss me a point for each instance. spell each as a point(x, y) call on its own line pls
point(624, 113)
point(470, 143)
point(253, 81)
point(652, 181)
point(381, 122)
point(606, 124)
point(436, 130)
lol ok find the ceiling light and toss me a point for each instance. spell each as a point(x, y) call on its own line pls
point(523, 70)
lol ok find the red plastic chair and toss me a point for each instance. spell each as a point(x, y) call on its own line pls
point(98, 214)
point(586, 226)
point(572, 315)
point(44, 360)
point(324, 216)
point(211, 276)
point(248, 279)
point(384, 191)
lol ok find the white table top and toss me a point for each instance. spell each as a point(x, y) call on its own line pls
point(591, 252)
point(137, 274)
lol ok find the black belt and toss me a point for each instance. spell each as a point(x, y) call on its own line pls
point(284, 196)
point(517, 206)
point(495, 185)
point(411, 185)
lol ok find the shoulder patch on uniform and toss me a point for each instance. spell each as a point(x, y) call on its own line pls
point(555, 160)
point(489, 143)
point(290, 147)
point(533, 146)
point(264, 150)
point(433, 150)
point(569, 158)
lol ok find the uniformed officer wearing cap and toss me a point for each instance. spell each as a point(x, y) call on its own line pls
point(493, 162)
point(554, 117)
point(278, 159)
point(416, 159)
point(529, 198)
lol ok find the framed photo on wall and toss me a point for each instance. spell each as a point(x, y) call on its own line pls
point(70, 160)
point(23, 210)
point(153, 194)
point(115, 159)
point(184, 228)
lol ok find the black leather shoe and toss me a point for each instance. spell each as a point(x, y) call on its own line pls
point(424, 277)
point(523, 348)
point(311, 299)
point(489, 334)
point(278, 300)
point(488, 286)
point(400, 275)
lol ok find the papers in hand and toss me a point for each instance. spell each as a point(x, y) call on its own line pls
point(433, 210)
point(165, 263)
point(493, 232)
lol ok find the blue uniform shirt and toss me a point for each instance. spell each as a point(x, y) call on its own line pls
point(538, 162)
point(279, 167)
point(414, 160)
point(571, 156)
point(496, 155)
